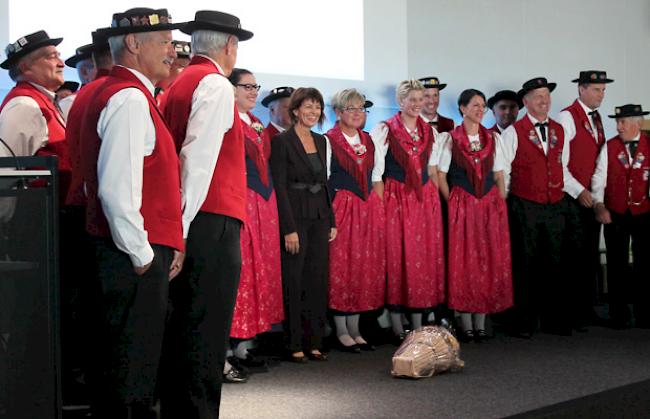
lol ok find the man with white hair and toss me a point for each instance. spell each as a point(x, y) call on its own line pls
point(620, 188)
point(536, 157)
point(133, 210)
point(200, 110)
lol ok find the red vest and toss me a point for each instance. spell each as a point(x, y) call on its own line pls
point(584, 146)
point(535, 176)
point(627, 185)
point(444, 124)
point(56, 141)
point(271, 130)
point(76, 195)
point(161, 199)
point(227, 192)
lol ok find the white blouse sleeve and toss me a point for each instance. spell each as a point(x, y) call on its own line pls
point(379, 134)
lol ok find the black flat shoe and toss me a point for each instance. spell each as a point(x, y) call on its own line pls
point(317, 357)
point(367, 346)
point(466, 336)
point(481, 335)
point(234, 377)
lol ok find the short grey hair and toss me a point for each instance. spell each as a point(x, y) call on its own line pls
point(116, 43)
point(15, 72)
point(343, 98)
point(407, 86)
point(205, 41)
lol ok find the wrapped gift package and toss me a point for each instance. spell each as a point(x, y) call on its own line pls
point(427, 351)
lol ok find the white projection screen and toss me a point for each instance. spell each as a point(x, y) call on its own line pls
point(292, 37)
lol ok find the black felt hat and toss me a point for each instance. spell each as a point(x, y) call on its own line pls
point(592, 76)
point(277, 93)
point(80, 54)
point(368, 104)
point(432, 82)
point(73, 86)
point(628, 110)
point(139, 19)
point(183, 49)
point(216, 21)
point(504, 95)
point(25, 45)
point(536, 83)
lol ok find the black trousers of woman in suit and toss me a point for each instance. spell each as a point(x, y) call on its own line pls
point(304, 283)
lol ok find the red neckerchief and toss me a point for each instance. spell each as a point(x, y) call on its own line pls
point(258, 147)
point(477, 163)
point(407, 151)
point(356, 165)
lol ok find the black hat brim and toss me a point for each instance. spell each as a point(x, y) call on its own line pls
point(437, 86)
point(589, 81)
point(125, 30)
point(32, 46)
point(241, 34)
point(629, 115)
point(271, 98)
point(496, 99)
point(549, 86)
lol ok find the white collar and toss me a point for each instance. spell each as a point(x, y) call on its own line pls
point(585, 108)
point(533, 120)
point(49, 94)
point(278, 127)
point(213, 62)
point(147, 83)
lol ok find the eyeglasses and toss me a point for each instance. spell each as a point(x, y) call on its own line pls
point(355, 110)
point(250, 87)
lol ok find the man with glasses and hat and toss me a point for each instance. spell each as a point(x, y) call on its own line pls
point(278, 103)
point(432, 88)
point(200, 110)
point(584, 132)
point(620, 192)
point(133, 211)
point(535, 157)
point(505, 105)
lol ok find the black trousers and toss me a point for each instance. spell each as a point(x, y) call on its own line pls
point(129, 338)
point(304, 283)
point(625, 287)
point(582, 248)
point(202, 301)
point(540, 290)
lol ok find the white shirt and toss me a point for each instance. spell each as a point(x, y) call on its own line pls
point(445, 145)
point(509, 144)
point(354, 140)
point(245, 118)
point(65, 104)
point(278, 127)
point(127, 135)
point(211, 117)
point(379, 134)
point(599, 179)
point(23, 126)
point(427, 120)
point(566, 120)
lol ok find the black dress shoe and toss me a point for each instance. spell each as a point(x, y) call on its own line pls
point(367, 346)
point(234, 376)
point(466, 336)
point(317, 356)
point(481, 335)
point(352, 349)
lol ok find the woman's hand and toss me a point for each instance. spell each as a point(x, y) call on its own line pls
point(292, 243)
point(332, 233)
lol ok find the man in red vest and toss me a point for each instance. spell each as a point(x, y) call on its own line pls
point(278, 103)
point(200, 110)
point(536, 156)
point(583, 130)
point(620, 194)
point(505, 105)
point(432, 88)
point(133, 210)
point(183, 53)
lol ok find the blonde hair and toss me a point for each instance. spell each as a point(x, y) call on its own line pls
point(407, 86)
point(342, 98)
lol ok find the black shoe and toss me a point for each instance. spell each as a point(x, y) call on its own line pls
point(291, 357)
point(254, 364)
point(481, 335)
point(234, 376)
point(367, 346)
point(466, 336)
point(237, 364)
point(353, 349)
point(317, 356)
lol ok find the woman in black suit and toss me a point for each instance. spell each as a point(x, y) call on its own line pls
point(306, 224)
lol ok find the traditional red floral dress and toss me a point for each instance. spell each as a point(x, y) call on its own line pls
point(479, 265)
point(414, 235)
point(357, 265)
point(259, 297)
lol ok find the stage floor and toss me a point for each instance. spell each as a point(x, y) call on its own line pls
point(504, 376)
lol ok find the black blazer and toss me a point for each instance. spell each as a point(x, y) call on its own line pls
point(290, 164)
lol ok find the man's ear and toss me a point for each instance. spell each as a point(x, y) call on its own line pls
point(131, 43)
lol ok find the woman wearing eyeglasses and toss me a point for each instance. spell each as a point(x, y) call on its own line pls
point(404, 149)
point(259, 297)
point(470, 174)
point(357, 268)
point(298, 164)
